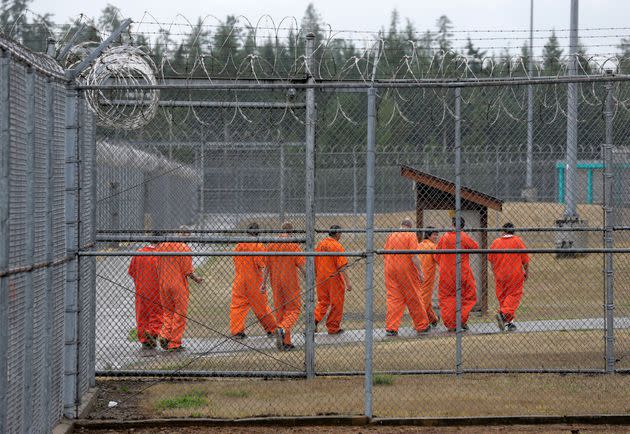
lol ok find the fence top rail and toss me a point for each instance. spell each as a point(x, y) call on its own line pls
point(216, 253)
point(197, 240)
point(450, 229)
point(109, 234)
point(360, 254)
point(487, 251)
point(360, 85)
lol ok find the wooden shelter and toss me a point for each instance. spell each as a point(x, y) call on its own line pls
point(437, 194)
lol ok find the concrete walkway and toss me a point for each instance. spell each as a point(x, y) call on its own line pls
point(115, 317)
point(128, 353)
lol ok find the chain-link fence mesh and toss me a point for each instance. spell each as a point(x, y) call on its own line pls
point(249, 155)
point(33, 241)
point(42, 377)
point(264, 229)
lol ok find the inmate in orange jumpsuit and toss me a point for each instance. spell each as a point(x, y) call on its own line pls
point(509, 275)
point(330, 284)
point(283, 275)
point(426, 287)
point(173, 272)
point(446, 282)
point(143, 271)
point(402, 282)
point(246, 290)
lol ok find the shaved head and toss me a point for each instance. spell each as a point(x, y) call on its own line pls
point(287, 226)
point(407, 223)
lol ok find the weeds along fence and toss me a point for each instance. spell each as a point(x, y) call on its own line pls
point(46, 216)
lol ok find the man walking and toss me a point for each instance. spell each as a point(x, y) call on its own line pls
point(283, 276)
point(510, 272)
point(249, 288)
point(332, 282)
point(447, 281)
point(143, 271)
point(403, 278)
point(173, 272)
point(428, 271)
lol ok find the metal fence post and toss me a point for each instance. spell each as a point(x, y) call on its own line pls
point(355, 183)
point(309, 197)
point(369, 246)
point(48, 362)
point(70, 389)
point(29, 249)
point(282, 181)
point(458, 228)
point(609, 304)
point(202, 196)
point(92, 242)
point(529, 180)
point(4, 234)
point(572, 125)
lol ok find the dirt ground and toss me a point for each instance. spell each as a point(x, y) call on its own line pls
point(471, 395)
point(548, 429)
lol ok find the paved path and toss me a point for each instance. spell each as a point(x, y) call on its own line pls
point(115, 317)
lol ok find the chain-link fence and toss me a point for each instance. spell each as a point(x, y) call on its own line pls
point(47, 302)
point(329, 230)
point(393, 165)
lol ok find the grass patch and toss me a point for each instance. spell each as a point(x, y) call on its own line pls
point(409, 396)
point(383, 379)
point(236, 393)
point(193, 399)
point(133, 335)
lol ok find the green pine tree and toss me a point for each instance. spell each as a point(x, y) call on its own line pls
point(624, 55)
point(552, 54)
point(475, 57)
point(444, 34)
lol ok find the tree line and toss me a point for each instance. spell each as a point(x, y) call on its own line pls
point(408, 122)
point(224, 49)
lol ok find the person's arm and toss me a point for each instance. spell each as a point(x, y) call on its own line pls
point(344, 274)
point(300, 261)
point(468, 242)
point(132, 267)
point(263, 285)
point(524, 258)
point(418, 264)
point(195, 278)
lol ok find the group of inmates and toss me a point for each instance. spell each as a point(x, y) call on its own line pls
point(162, 291)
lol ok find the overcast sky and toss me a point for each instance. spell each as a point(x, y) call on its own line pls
point(466, 15)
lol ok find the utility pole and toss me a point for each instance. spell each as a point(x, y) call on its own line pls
point(572, 125)
point(571, 219)
point(530, 192)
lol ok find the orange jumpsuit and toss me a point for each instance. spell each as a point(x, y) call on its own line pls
point(446, 282)
point(283, 275)
point(330, 284)
point(173, 272)
point(402, 282)
point(426, 287)
point(509, 275)
point(246, 290)
point(143, 271)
